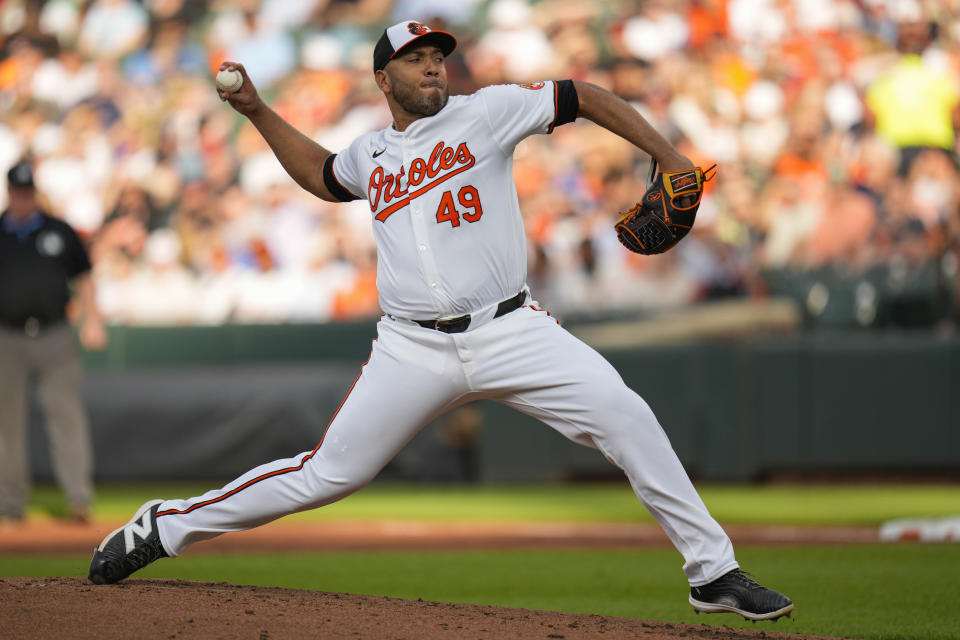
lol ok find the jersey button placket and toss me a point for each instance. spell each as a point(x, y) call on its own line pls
point(420, 222)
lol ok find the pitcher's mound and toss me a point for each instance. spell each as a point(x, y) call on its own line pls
point(72, 608)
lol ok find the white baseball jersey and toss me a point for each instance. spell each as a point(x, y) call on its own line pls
point(446, 218)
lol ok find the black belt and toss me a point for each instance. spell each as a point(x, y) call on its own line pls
point(460, 324)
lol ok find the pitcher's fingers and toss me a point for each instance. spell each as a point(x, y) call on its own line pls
point(232, 66)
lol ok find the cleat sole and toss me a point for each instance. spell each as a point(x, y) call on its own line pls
point(708, 607)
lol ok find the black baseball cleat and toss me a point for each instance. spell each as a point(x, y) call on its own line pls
point(130, 548)
point(737, 592)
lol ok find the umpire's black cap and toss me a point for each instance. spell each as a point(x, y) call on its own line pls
point(402, 35)
point(20, 175)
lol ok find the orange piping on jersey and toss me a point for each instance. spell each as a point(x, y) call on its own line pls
point(536, 308)
point(278, 472)
point(556, 109)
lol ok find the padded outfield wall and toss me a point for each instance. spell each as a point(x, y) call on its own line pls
point(211, 402)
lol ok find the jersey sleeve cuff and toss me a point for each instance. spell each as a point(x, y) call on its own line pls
point(333, 185)
point(566, 103)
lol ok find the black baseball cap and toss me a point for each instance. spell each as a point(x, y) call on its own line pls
point(402, 35)
point(20, 175)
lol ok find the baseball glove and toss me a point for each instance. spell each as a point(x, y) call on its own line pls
point(666, 212)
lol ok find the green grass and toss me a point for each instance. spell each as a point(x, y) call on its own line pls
point(614, 502)
point(881, 592)
point(889, 592)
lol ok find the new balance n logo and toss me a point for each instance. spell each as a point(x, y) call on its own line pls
point(143, 529)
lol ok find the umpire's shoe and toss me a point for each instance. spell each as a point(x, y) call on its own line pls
point(130, 548)
point(737, 592)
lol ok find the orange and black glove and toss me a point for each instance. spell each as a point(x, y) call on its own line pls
point(666, 212)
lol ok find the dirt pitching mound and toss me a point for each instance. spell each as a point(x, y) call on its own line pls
point(175, 609)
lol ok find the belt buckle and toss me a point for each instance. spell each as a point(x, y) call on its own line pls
point(453, 325)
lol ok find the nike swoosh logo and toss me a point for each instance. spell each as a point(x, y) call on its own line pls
point(377, 153)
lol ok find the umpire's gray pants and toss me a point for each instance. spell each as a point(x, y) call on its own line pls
point(52, 360)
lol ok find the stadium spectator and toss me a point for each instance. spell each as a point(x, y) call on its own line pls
point(128, 139)
point(113, 28)
point(916, 103)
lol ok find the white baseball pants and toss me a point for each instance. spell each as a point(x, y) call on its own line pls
point(523, 359)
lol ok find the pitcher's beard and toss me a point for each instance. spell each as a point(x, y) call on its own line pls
point(413, 101)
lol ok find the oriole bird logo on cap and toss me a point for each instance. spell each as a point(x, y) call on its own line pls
point(417, 28)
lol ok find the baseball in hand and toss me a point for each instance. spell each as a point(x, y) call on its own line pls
point(229, 81)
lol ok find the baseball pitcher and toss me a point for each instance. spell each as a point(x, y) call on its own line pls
point(459, 322)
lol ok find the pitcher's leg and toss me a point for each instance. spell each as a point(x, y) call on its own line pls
point(14, 466)
point(576, 391)
point(388, 403)
point(632, 439)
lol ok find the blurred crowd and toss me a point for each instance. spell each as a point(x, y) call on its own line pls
point(834, 124)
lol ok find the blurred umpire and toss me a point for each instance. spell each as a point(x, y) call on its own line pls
point(40, 258)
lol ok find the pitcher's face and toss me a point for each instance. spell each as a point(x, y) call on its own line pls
point(417, 80)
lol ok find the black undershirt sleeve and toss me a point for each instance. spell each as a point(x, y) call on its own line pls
point(568, 104)
point(333, 185)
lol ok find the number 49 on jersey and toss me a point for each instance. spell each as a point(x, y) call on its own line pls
point(468, 199)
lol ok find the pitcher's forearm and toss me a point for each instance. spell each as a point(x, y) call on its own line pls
point(300, 156)
point(617, 115)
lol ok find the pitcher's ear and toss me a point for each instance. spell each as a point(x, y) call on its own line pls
point(382, 78)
